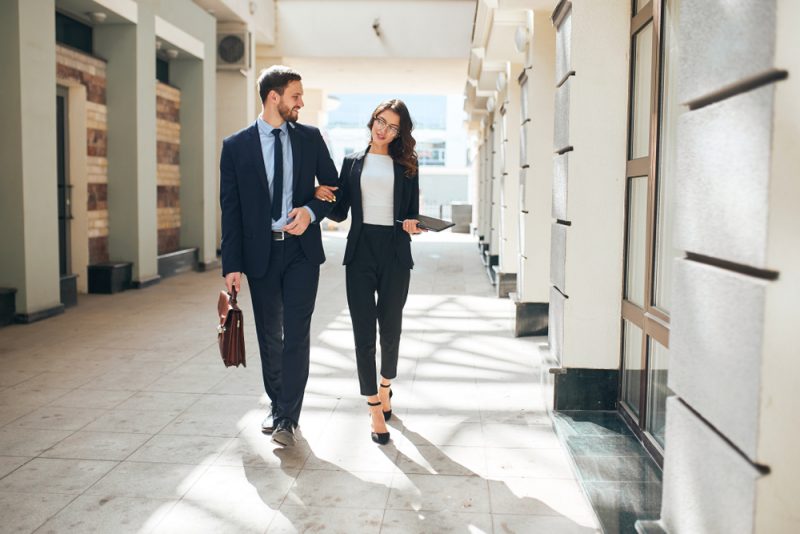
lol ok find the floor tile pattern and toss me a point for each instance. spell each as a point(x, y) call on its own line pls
point(118, 416)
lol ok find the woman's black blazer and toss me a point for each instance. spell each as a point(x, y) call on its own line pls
point(406, 205)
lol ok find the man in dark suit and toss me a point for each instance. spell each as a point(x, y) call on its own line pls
point(270, 232)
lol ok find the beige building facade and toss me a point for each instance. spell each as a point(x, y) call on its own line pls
point(637, 154)
point(111, 160)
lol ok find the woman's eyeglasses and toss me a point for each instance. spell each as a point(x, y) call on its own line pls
point(382, 125)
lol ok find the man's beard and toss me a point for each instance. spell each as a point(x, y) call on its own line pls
point(286, 113)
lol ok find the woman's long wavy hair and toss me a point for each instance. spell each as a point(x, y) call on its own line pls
point(402, 146)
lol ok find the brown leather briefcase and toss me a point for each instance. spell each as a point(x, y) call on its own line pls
point(230, 331)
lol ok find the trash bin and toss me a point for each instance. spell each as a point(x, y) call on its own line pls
point(462, 217)
point(8, 305)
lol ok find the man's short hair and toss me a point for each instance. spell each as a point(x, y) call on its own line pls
point(276, 78)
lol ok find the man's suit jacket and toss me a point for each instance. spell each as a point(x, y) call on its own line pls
point(406, 205)
point(245, 198)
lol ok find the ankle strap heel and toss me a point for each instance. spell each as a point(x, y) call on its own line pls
point(388, 413)
point(381, 438)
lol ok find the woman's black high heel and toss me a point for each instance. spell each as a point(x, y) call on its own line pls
point(388, 413)
point(381, 438)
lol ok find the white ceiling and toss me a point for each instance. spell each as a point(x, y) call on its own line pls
point(344, 28)
point(421, 46)
point(371, 75)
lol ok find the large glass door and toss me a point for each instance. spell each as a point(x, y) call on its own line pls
point(652, 113)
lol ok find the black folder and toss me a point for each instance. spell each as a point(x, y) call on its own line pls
point(433, 224)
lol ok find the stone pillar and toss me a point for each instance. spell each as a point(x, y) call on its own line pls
point(199, 195)
point(536, 176)
point(588, 192)
point(730, 463)
point(194, 73)
point(496, 172)
point(510, 118)
point(486, 229)
point(484, 189)
point(131, 101)
point(28, 208)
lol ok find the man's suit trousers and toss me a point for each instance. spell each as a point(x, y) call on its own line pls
point(283, 301)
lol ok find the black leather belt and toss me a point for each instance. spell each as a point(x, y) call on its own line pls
point(281, 236)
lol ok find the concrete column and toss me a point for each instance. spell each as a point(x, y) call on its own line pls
point(587, 246)
point(131, 101)
point(533, 278)
point(485, 191)
point(197, 77)
point(477, 185)
point(730, 464)
point(781, 353)
point(28, 207)
point(508, 261)
point(496, 172)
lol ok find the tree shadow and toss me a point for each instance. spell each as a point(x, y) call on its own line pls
point(510, 512)
point(427, 491)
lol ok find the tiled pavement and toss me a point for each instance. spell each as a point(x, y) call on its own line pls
point(118, 416)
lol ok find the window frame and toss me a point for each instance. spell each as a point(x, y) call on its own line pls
point(653, 321)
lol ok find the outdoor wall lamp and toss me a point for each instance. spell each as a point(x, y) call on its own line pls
point(97, 17)
point(502, 79)
point(376, 27)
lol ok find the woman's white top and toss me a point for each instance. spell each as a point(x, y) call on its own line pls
point(377, 189)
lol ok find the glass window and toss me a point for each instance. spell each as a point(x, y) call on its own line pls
point(640, 96)
point(162, 71)
point(667, 161)
point(74, 33)
point(657, 390)
point(428, 112)
point(632, 366)
point(637, 240)
point(431, 153)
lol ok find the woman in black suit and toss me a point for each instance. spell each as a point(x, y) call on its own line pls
point(381, 185)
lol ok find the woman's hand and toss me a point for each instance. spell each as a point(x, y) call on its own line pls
point(410, 226)
point(325, 193)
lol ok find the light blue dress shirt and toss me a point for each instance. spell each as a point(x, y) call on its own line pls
point(268, 151)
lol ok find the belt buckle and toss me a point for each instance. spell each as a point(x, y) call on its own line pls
point(278, 235)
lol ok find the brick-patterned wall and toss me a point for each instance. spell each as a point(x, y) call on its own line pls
point(168, 134)
point(71, 66)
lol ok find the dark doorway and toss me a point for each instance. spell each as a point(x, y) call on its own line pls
point(69, 289)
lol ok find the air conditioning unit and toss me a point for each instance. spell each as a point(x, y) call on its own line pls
point(233, 50)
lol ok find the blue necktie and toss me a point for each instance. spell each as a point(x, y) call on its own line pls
point(277, 179)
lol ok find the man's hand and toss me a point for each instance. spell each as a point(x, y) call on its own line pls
point(300, 220)
point(233, 280)
point(325, 193)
